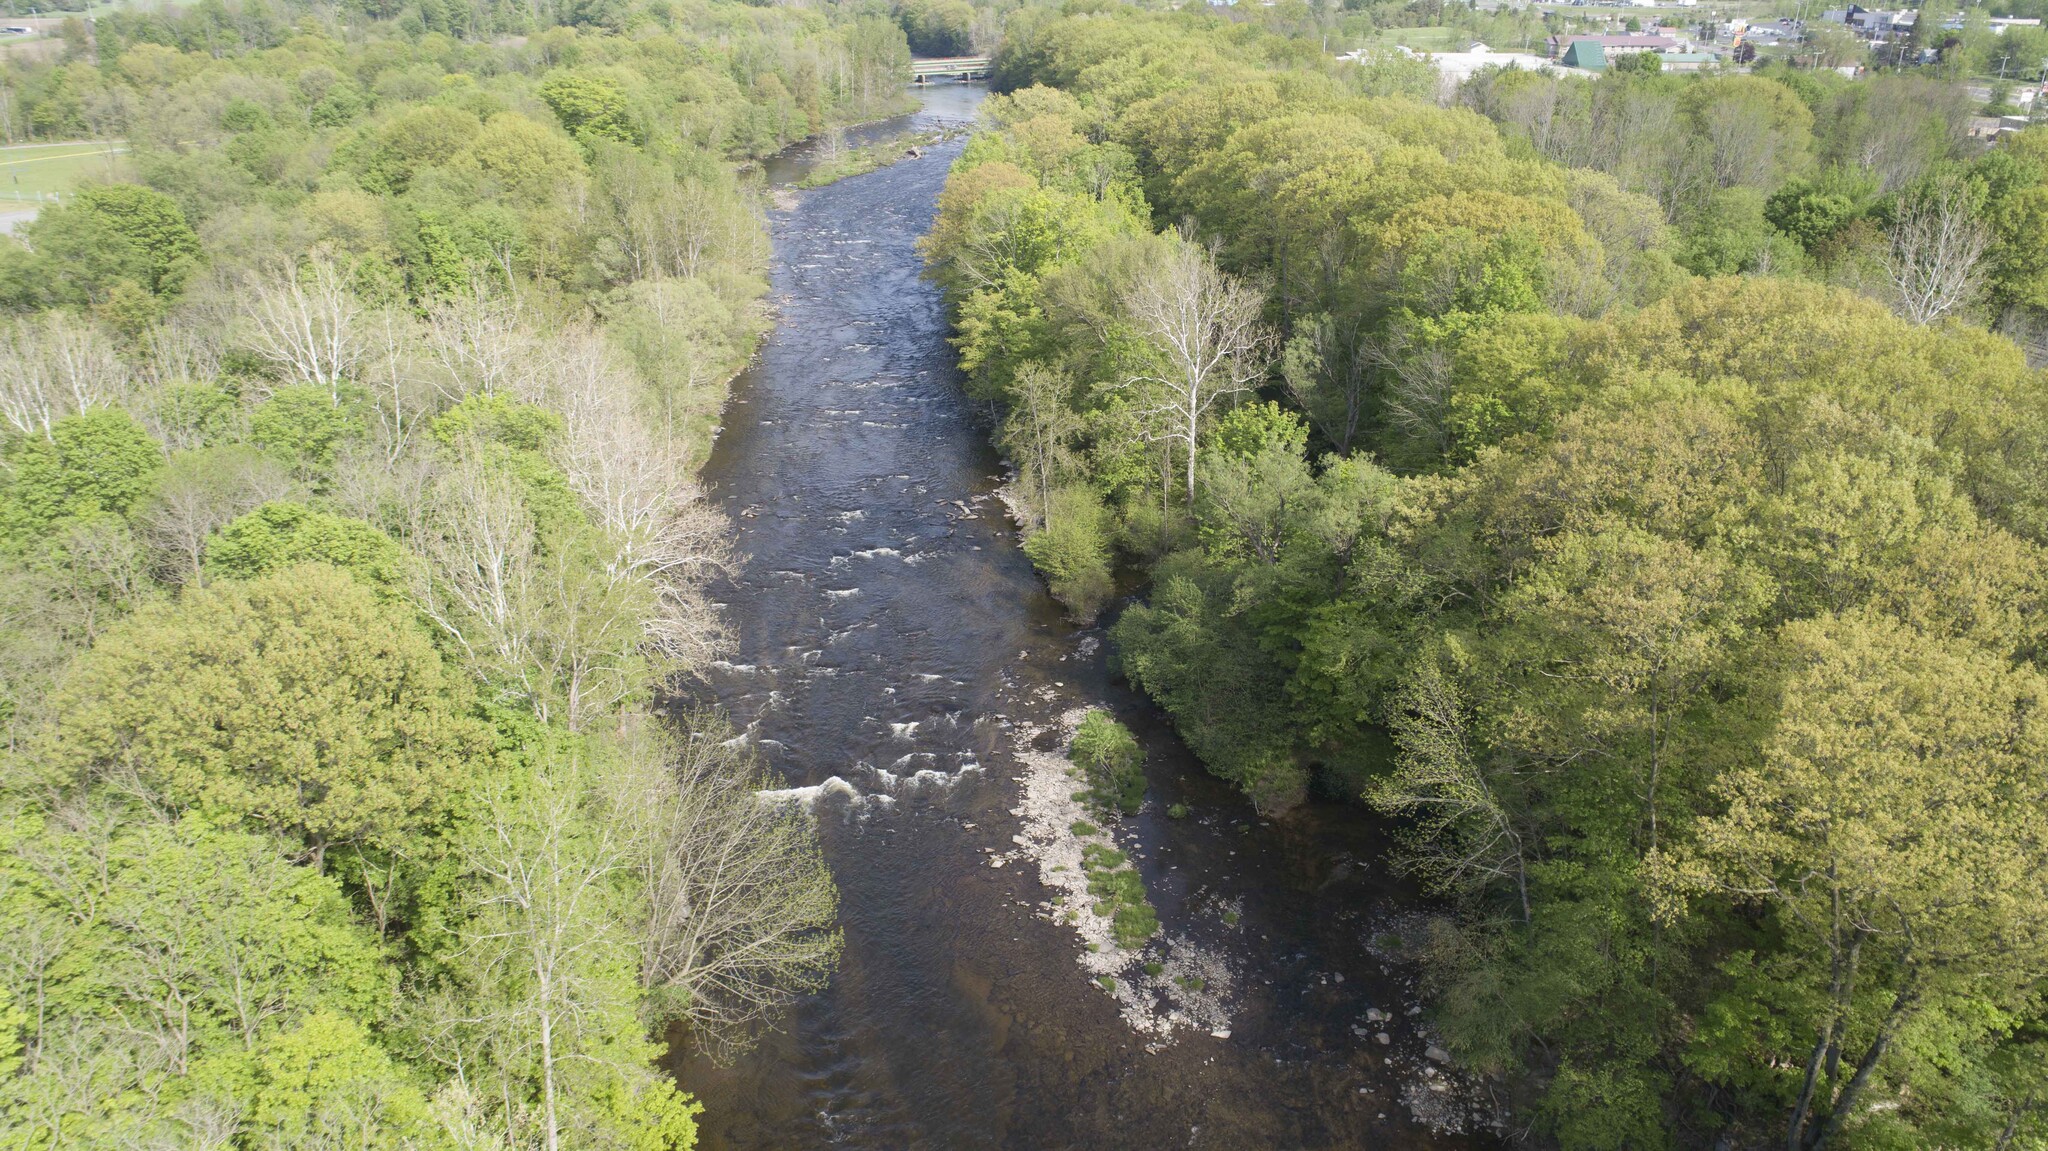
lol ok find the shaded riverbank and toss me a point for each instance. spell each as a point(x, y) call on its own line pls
point(897, 656)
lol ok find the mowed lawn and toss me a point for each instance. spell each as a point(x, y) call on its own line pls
point(32, 171)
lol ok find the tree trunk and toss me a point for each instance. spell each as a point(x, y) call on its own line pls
point(1902, 1006)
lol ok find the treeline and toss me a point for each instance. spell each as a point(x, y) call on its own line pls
point(1689, 623)
point(348, 529)
point(950, 27)
point(729, 78)
point(1873, 185)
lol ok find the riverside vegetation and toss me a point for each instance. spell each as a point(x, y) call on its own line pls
point(1622, 492)
point(348, 530)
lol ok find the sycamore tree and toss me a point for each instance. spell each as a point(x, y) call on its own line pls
point(533, 1011)
point(1208, 342)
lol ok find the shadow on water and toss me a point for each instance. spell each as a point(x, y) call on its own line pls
point(890, 633)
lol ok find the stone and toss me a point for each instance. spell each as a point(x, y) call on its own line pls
point(1436, 1054)
point(1384, 1038)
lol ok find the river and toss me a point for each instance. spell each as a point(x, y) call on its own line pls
point(896, 654)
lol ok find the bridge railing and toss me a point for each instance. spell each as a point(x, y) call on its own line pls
point(962, 67)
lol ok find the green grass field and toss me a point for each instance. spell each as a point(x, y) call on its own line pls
point(35, 171)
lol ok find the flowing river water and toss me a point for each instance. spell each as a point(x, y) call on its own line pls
point(901, 667)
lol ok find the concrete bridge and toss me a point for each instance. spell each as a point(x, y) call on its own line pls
point(948, 68)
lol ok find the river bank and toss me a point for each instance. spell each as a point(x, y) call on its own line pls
point(900, 666)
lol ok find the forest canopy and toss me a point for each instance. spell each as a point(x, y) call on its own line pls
point(1605, 480)
point(349, 527)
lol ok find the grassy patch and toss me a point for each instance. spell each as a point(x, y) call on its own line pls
point(1437, 38)
point(33, 171)
point(1153, 968)
point(1120, 895)
point(1230, 919)
point(1177, 811)
point(1190, 982)
point(1084, 829)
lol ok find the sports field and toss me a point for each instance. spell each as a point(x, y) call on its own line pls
point(37, 171)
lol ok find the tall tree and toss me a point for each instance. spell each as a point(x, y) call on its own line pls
point(297, 700)
point(1896, 826)
point(1204, 328)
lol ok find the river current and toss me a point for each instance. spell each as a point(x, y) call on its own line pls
point(897, 658)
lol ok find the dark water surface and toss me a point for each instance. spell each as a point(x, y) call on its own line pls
point(884, 589)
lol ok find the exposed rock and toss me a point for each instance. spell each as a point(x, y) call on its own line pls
point(1437, 1054)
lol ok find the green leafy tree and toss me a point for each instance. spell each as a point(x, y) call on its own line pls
point(1893, 830)
point(1809, 212)
point(1109, 756)
point(185, 964)
point(114, 233)
point(590, 107)
point(98, 461)
point(303, 426)
point(282, 535)
point(296, 700)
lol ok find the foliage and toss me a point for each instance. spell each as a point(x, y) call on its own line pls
point(284, 535)
point(294, 700)
point(98, 461)
point(1120, 895)
point(1678, 597)
point(1112, 761)
point(348, 487)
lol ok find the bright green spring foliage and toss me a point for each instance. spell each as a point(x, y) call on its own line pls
point(1690, 623)
point(295, 700)
point(348, 516)
point(1109, 756)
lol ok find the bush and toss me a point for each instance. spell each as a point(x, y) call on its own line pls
point(1073, 551)
point(1113, 761)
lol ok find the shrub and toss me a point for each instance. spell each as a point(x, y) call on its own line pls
point(1073, 551)
point(1114, 763)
